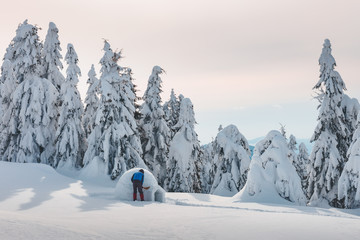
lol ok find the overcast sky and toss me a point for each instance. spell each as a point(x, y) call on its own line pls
point(250, 63)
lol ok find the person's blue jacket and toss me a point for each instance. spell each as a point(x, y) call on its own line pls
point(138, 176)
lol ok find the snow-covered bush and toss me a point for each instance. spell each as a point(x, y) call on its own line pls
point(272, 178)
point(124, 187)
point(231, 160)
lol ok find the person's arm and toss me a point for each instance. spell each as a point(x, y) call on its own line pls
point(132, 178)
point(142, 180)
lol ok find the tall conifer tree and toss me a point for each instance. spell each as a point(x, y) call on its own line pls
point(114, 141)
point(70, 136)
point(328, 156)
point(155, 131)
point(185, 157)
point(91, 101)
point(28, 131)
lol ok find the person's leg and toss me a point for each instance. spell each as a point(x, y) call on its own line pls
point(134, 192)
point(141, 192)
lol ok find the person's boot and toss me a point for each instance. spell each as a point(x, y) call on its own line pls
point(142, 196)
point(134, 196)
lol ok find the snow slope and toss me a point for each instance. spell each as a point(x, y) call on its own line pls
point(38, 203)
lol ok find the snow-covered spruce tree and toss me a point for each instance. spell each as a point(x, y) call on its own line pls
point(70, 140)
point(174, 106)
point(131, 90)
point(185, 156)
point(167, 114)
point(23, 61)
point(156, 134)
point(300, 161)
point(129, 116)
point(302, 165)
point(8, 77)
point(28, 130)
point(220, 128)
point(283, 130)
point(232, 160)
point(351, 109)
point(114, 143)
point(91, 101)
point(272, 176)
point(292, 148)
point(171, 109)
point(207, 170)
point(8, 86)
point(52, 57)
point(349, 181)
point(328, 155)
point(292, 143)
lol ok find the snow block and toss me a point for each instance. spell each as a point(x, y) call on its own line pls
point(124, 187)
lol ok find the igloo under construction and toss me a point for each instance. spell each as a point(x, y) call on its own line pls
point(124, 187)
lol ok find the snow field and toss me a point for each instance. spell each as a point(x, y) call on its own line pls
point(42, 204)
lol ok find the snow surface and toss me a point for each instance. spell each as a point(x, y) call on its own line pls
point(42, 204)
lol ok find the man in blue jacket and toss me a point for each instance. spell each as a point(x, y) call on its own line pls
point(138, 179)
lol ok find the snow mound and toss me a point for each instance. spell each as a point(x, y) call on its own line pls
point(124, 187)
point(95, 172)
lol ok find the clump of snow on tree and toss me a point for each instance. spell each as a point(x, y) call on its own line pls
point(124, 187)
point(272, 178)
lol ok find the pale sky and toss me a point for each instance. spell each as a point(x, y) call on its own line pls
point(250, 63)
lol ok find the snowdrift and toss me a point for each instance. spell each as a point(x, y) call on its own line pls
point(95, 172)
point(124, 187)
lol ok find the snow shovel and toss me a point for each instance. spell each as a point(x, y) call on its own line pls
point(146, 188)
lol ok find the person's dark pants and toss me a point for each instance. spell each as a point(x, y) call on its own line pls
point(137, 186)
